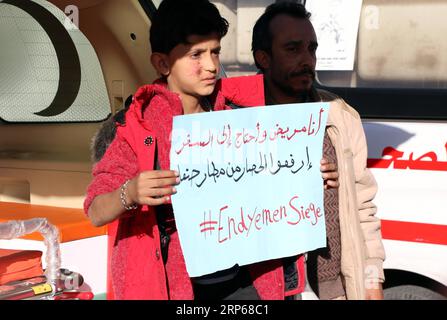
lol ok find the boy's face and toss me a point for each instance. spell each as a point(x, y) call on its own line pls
point(193, 67)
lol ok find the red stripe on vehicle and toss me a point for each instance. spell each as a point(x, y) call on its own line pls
point(414, 232)
point(407, 164)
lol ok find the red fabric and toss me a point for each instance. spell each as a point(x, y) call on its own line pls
point(301, 278)
point(243, 91)
point(111, 232)
point(19, 265)
point(137, 271)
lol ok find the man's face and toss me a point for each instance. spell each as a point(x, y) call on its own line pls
point(291, 65)
point(194, 67)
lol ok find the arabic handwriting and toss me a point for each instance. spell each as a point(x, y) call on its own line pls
point(228, 137)
point(264, 163)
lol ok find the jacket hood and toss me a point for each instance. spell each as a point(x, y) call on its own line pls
point(147, 94)
point(246, 91)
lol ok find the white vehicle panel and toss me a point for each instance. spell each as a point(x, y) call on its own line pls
point(420, 258)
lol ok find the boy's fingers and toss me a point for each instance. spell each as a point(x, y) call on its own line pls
point(157, 201)
point(160, 192)
point(156, 193)
point(164, 182)
point(160, 174)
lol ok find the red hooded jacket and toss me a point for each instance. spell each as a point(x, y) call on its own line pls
point(135, 263)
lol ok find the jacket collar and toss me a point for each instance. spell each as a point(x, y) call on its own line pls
point(315, 96)
point(145, 95)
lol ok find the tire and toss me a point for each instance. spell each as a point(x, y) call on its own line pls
point(410, 292)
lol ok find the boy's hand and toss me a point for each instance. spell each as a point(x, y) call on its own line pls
point(329, 173)
point(153, 187)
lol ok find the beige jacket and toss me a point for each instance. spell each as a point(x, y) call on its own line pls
point(362, 253)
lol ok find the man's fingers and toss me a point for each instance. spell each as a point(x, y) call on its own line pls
point(333, 175)
point(331, 184)
point(330, 175)
point(328, 167)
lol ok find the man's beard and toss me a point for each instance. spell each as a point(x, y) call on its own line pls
point(301, 95)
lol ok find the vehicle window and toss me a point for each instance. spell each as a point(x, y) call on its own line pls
point(49, 70)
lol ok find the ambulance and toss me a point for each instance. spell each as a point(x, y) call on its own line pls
point(67, 65)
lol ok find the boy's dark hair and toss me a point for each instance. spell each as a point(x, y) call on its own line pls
point(262, 37)
point(175, 20)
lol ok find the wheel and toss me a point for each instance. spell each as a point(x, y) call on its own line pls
point(411, 292)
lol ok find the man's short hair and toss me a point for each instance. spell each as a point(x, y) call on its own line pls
point(176, 20)
point(262, 37)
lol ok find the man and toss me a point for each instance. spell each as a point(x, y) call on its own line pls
point(284, 47)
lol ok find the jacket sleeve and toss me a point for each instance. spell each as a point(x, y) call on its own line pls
point(366, 189)
point(117, 165)
point(245, 91)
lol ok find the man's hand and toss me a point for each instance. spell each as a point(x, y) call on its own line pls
point(375, 294)
point(329, 173)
